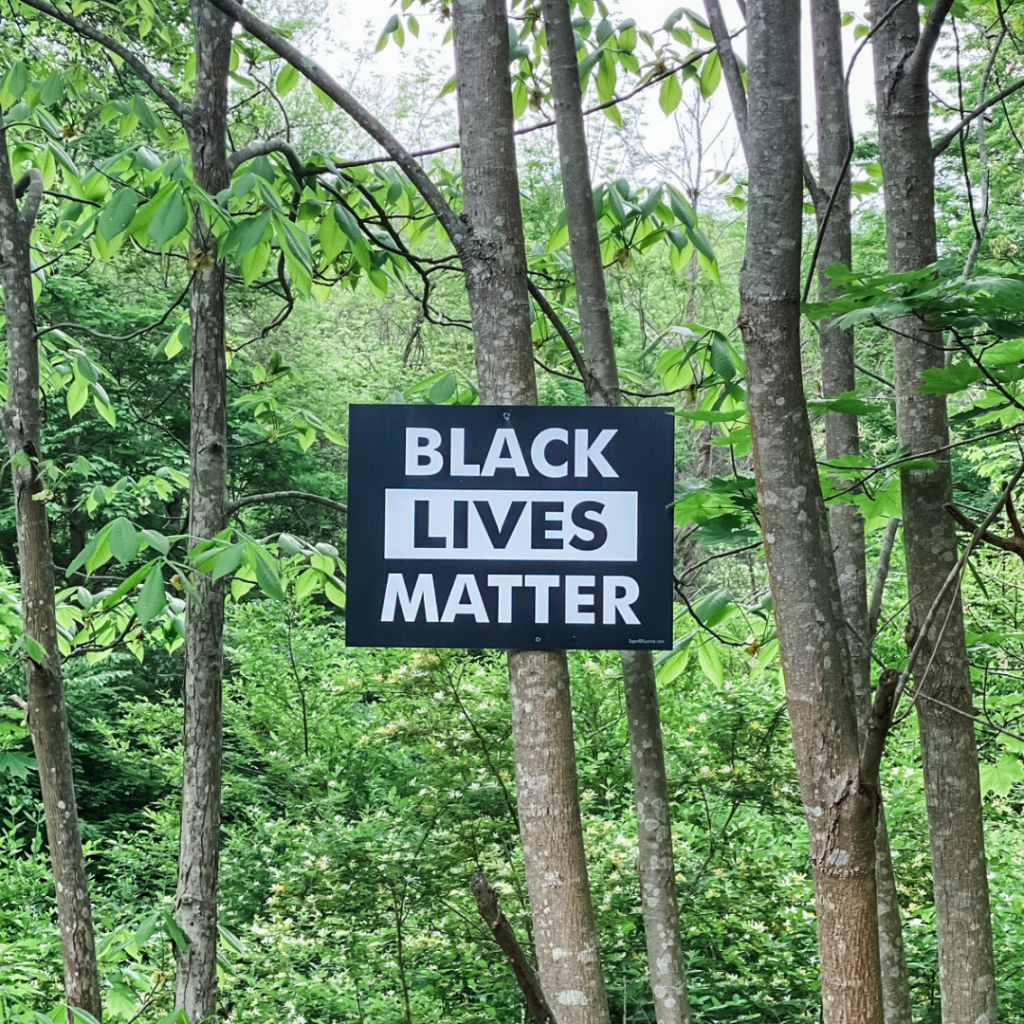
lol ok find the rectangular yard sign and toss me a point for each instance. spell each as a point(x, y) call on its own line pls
point(512, 527)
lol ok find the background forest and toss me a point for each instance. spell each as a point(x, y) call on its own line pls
point(363, 788)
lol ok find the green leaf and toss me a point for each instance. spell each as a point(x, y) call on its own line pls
point(83, 1016)
point(606, 77)
point(442, 392)
point(267, 576)
point(682, 209)
point(228, 560)
point(520, 98)
point(670, 94)
point(848, 402)
point(157, 541)
point(711, 662)
point(245, 234)
point(287, 79)
point(152, 598)
point(124, 540)
point(700, 240)
point(587, 64)
point(1000, 777)
point(710, 74)
point(169, 220)
point(950, 379)
point(18, 766)
point(52, 90)
point(175, 934)
point(306, 584)
point(15, 82)
point(392, 24)
point(117, 213)
point(721, 359)
point(36, 651)
point(78, 393)
point(348, 223)
point(105, 409)
point(334, 590)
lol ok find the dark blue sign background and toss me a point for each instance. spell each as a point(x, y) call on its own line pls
point(509, 527)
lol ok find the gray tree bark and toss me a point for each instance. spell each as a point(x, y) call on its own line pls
point(198, 858)
point(832, 207)
point(494, 261)
point(839, 789)
point(656, 861)
point(47, 711)
point(903, 51)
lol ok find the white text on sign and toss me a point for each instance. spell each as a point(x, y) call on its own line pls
point(586, 599)
point(552, 454)
point(561, 526)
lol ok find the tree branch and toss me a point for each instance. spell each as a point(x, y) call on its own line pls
point(944, 141)
point(953, 578)
point(180, 110)
point(730, 69)
point(920, 59)
point(526, 977)
point(457, 231)
point(33, 197)
point(263, 147)
point(879, 723)
point(272, 497)
point(881, 572)
point(563, 332)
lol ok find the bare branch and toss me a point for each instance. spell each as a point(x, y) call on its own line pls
point(920, 59)
point(526, 977)
point(563, 332)
point(263, 147)
point(730, 69)
point(33, 197)
point(944, 141)
point(953, 579)
point(273, 497)
point(879, 723)
point(881, 572)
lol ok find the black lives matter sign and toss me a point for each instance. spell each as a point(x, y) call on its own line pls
point(521, 527)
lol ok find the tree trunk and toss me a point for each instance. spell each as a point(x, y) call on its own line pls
point(842, 438)
point(196, 905)
point(47, 712)
point(666, 965)
point(494, 261)
point(949, 752)
point(839, 791)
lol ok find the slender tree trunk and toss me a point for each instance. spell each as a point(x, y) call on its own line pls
point(47, 712)
point(196, 906)
point(949, 752)
point(494, 260)
point(842, 438)
point(666, 965)
point(839, 790)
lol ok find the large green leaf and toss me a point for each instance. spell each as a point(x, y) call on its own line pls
point(169, 220)
point(118, 213)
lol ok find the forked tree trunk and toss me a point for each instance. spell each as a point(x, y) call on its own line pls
point(47, 712)
point(841, 439)
point(839, 791)
point(494, 260)
point(949, 750)
point(656, 861)
point(198, 858)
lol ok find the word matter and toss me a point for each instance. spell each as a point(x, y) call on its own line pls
point(525, 527)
